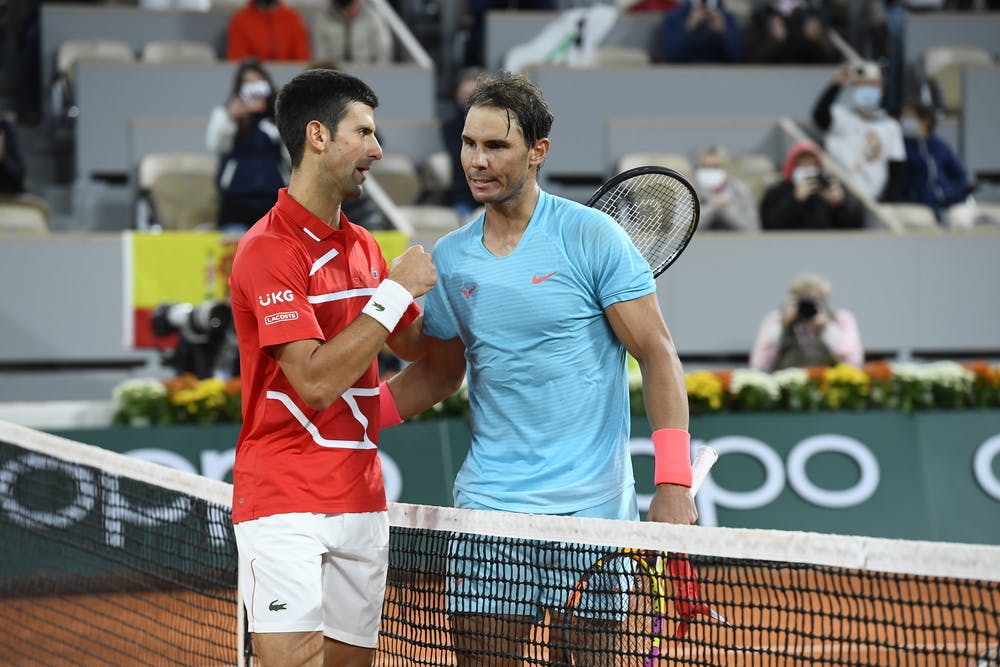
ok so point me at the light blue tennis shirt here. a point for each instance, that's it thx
(547, 380)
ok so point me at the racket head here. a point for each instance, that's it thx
(657, 207)
(641, 638)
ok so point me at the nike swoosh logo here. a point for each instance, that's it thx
(467, 292)
(542, 279)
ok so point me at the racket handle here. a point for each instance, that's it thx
(704, 459)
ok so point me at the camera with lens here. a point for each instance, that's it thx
(807, 308)
(206, 344)
(196, 323)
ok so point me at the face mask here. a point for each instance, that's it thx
(867, 97)
(710, 178)
(911, 128)
(255, 90)
(803, 173)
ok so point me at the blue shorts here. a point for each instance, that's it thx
(511, 577)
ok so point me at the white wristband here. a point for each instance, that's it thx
(388, 304)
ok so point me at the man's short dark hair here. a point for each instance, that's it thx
(317, 94)
(520, 98)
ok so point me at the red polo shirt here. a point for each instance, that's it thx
(295, 278)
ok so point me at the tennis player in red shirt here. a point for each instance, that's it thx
(313, 302)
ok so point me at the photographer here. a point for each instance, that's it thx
(808, 197)
(806, 331)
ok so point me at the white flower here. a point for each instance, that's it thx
(747, 378)
(950, 374)
(138, 388)
(909, 372)
(790, 377)
(942, 373)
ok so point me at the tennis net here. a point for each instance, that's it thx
(106, 559)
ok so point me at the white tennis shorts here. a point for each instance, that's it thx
(305, 572)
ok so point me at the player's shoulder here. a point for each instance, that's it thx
(459, 238)
(263, 243)
(571, 216)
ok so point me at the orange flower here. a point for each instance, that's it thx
(725, 377)
(878, 371)
(984, 371)
(816, 374)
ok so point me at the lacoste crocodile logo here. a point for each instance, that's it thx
(277, 606)
(378, 306)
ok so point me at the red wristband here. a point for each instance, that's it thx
(672, 453)
(388, 413)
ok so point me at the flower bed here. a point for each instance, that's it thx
(942, 385)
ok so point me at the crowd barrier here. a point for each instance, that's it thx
(913, 294)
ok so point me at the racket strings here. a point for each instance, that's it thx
(657, 211)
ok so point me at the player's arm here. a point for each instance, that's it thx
(321, 371)
(435, 376)
(639, 325)
(408, 343)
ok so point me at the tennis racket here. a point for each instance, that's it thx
(642, 635)
(658, 209)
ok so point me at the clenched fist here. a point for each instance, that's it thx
(414, 271)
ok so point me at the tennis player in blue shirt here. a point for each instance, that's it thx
(538, 300)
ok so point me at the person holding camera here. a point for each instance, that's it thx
(860, 135)
(808, 197)
(806, 331)
(253, 162)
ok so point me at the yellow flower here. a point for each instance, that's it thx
(845, 386)
(706, 386)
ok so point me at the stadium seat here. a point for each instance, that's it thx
(177, 51)
(943, 65)
(621, 56)
(177, 191)
(73, 51)
(971, 214)
(397, 174)
(676, 161)
(23, 215)
(912, 216)
(757, 170)
(435, 175)
(430, 222)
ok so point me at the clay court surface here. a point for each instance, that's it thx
(782, 618)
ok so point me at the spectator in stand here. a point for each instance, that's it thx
(700, 31)
(352, 31)
(653, 6)
(459, 196)
(788, 31)
(934, 174)
(860, 136)
(726, 201)
(808, 197)
(267, 30)
(807, 331)
(11, 160)
(253, 162)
